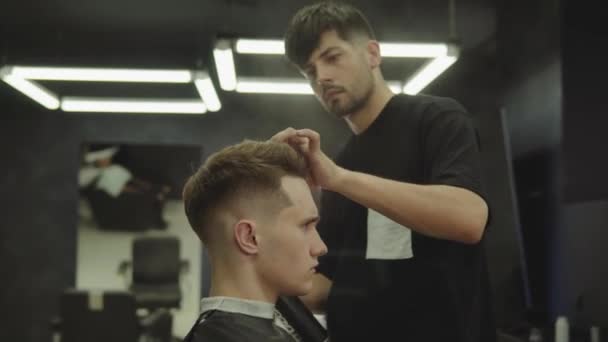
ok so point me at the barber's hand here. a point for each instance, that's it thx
(284, 135)
(289, 136)
(325, 173)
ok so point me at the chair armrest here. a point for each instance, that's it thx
(153, 318)
(156, 326)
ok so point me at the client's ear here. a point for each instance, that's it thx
(244, 236)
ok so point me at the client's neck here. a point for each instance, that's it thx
(242, 282)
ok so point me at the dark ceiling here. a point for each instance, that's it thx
(179, 34)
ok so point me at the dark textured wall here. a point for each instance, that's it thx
(585, 36)
(532, 107)
(38, 229)
(552, 59)
(584, 260)
(583, 236)
(530, 63)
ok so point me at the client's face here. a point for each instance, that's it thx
(291, 245)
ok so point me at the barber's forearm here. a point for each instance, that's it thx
(316, 299)
(315, 305)
(440, 211)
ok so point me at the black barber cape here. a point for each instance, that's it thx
(226, 319)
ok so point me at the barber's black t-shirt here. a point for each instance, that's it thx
(391, 283)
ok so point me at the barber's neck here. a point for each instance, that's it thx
(360, 120)
(239, 282)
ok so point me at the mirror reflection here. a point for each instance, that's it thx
(133, 236)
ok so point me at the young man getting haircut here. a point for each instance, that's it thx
(251, 206)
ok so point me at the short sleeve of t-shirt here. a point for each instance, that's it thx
(451, 153)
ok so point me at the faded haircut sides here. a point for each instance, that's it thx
(251, 168)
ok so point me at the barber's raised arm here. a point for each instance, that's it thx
(441, 211)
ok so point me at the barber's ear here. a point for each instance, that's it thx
(373, 53)
(245, 236)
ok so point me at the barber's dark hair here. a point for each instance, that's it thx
(307, 25)
(250, 170)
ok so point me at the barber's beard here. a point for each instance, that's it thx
(351, 101)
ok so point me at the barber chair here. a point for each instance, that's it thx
(127, 212)
(301, 319)
(155, 272)
(107, 316)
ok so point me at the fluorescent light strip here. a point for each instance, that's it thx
(288, 86)
(84, 104)
(427, 74)
(260, 46)
(403, 50)
(102, 74)
(395, 86)
(413, 50)
(224, 64)
(205, 89)
(444, 56)
(33, 91)
(273, 86)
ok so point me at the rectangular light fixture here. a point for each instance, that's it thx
(413, 50)
(260, 46)
(32, 90)
(288, 86)
(395, 86)
(101, 74)
(273, 86)
(443, 56)
(206, 90)
(23, 79)
(224, 65)
(427, 74)
(112, 105)
(401, 50)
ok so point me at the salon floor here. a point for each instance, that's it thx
(101, 252)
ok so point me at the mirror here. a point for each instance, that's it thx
(132, 231)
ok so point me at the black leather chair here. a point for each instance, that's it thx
(127, 212)
(156, 269)
(107, 316)
(301, 319)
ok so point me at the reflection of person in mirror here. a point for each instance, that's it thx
(100, 173)
(403, 210)
(251, 206)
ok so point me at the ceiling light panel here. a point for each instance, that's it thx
(442, 57)
(23, 78)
